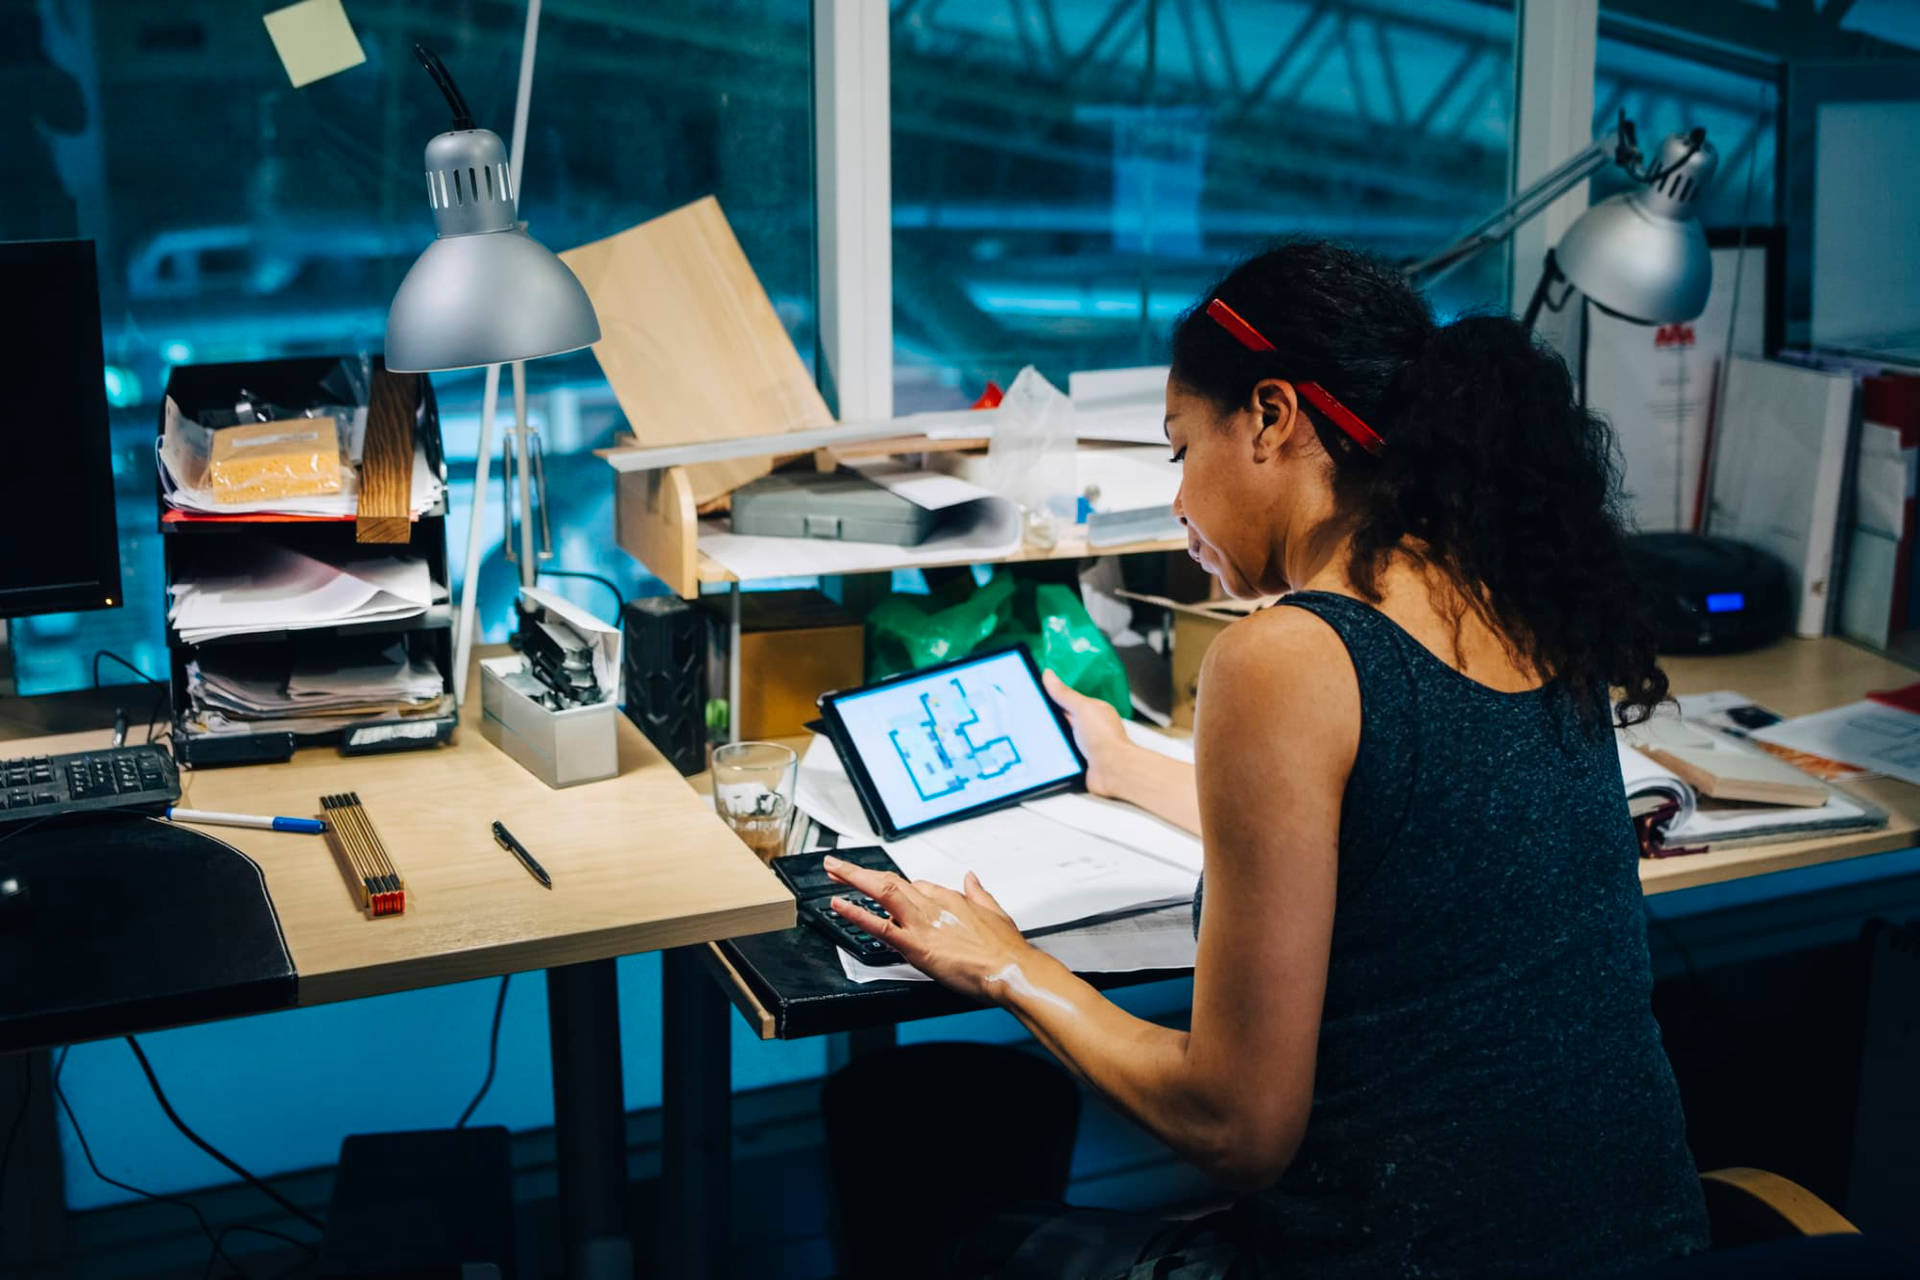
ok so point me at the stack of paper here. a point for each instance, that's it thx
(185, 449)
(270, 589)
(246, 689)
(1103, 885)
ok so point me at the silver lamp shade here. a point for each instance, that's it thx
(484, 292)
(1642, 254)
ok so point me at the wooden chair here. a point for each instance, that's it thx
(1766, 1227)
(1752, 1206)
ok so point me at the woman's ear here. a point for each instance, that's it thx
(1276, 412)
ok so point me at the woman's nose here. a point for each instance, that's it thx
(1180, 504)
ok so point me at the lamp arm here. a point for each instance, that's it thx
(1499, 224)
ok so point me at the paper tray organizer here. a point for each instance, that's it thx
(188, 544)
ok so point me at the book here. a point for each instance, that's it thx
(1692, 787)
(1740, 775)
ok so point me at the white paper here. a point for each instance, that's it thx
(1123, 824)
(928, 490)
(1173, 746)
(277, 589)
(1161, 939)
(1128, 405)
(1041, 868)
(1869, 734)
(1104, 388)
(1043, 872)
(1128, 479)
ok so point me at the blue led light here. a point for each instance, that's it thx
(1726, 602)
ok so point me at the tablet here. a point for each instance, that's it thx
(951, 741)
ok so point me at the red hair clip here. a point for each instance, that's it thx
(1318, 396)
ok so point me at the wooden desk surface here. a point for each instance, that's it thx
(639, 862)
(1794, 678)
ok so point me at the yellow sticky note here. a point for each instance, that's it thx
(314, 40)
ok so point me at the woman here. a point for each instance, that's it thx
(1421, 1042)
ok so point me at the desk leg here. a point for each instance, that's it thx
(845, 1046)
(589, 1119)
(696, 1149)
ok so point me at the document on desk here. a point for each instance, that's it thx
(1159, 939)
(1870, 735)
(1048, 864)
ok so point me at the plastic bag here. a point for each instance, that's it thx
(905, 633)
(1031, 458)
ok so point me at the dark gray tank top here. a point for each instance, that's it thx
(1491, 1097)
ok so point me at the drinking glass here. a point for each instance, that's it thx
(753, 786)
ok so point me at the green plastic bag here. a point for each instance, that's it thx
(905, 633)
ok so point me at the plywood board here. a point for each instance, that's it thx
(691, 343)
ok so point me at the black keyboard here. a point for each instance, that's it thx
(138, 778)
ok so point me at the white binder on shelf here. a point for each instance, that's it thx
(1780, 481)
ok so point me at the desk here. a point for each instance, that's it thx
(1794, 678)
(639, 863)
(789, 985)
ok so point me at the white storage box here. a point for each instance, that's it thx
(561, 748)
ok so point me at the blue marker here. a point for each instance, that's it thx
(304, 826)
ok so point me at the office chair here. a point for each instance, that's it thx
(1766, 1227)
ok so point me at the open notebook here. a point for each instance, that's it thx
(1675, 818)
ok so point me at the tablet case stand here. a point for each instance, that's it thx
(129, 924)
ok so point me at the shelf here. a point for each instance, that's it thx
(174, 521)
(1072, 547)
(656, 523)
(437, 618)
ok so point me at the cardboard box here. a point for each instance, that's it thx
(1195, 624)
(794, 646)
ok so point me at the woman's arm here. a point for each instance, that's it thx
(1279, 725)
(1119, 768)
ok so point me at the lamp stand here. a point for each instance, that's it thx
(490, 402)
(470, 589)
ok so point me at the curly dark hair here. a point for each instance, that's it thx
(1504, 481)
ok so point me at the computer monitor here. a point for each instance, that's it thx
(59, 545)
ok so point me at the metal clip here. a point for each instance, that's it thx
(536, 489)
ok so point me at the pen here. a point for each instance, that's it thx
(504, 838)
(305, 826)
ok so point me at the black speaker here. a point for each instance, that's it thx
(666, 677)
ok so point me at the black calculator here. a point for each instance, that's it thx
(815, 890)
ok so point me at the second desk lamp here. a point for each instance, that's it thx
(484, 293)
(1641, 255)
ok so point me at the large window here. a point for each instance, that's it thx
(1069, 174)
(238, 218)
(1664, 93)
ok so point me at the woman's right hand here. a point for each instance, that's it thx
(1098, 733)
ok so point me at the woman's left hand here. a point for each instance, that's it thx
(961, 940)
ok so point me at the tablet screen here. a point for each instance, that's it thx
(957, 738)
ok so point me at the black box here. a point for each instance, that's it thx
(665, 674)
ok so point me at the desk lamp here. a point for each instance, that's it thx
(483, 293)
(1640, 255)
